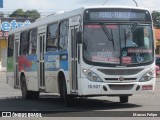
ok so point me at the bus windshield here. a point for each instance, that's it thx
(118, 44)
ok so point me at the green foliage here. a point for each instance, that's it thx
(32, 14)
(17, 13)
(27, 14)
(156, 19)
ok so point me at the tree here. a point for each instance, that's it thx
(32, 14)
(27, 14)
(156, 19)
(17, 13)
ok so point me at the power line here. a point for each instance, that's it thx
(135, 3)
(105, 2)
(132, 0)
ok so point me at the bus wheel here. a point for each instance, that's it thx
(25, 93)
(68, 99)
(24, 88)
(123, 99)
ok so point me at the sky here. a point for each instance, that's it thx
(73, 4)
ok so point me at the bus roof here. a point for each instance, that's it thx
(127, 7)
(63, 15)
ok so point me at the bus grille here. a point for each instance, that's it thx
(116, 79)
(121, 87)
(120, 71)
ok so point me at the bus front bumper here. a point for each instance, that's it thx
(121, 88)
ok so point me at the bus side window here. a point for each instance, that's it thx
(10, 46)
(24, 43)
(32, 41)
(63, 38)
(52, 34)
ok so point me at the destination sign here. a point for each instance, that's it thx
(116, 15)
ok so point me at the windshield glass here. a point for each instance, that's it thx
(120, 44)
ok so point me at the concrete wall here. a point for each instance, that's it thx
(3, 57)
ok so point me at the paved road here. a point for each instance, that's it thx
(10, 100)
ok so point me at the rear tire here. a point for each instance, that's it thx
(25, 93)
(123, 99)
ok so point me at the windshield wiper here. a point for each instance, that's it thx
(109, 35)
(131, 30)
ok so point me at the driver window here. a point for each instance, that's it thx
(146, 38)
(141, 37)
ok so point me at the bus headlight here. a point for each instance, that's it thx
(148, 76)
(92, 76)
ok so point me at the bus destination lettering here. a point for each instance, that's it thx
(51, 62)
(117, 15)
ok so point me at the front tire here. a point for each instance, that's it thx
(68, 99)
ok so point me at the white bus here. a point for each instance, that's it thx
(91, 51)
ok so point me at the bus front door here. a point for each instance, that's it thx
(74, 59)
(41, 67)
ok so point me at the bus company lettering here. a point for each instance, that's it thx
(52, 58)
(50, 65)
(7, 26)
(133, 50)
(107, 54)
(51, 62)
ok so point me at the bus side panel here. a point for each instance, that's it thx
(32, 81)
(28, 64)
(64, 63)
(10, 72)
(55, 62)
(51, 60)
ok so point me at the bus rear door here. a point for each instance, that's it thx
(16, 55)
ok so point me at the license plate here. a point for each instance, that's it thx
(158, 72)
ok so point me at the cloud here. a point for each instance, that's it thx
(150, 4)
(49, 4)
(28, 4)
(72, 4)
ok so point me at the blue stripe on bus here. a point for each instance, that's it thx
(53, 62)
(64, 65)
(56, 60)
